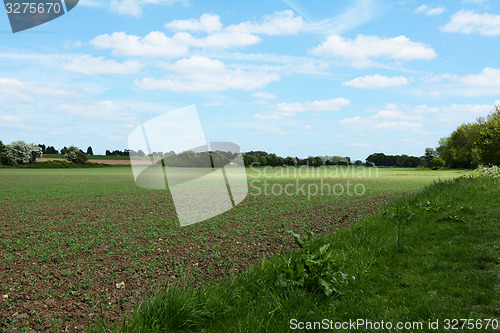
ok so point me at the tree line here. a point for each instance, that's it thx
(473, 144)
(470, 145)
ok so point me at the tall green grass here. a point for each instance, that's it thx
(432, 256)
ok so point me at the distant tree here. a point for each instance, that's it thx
(438, 163)
(64, 150)
(2, 149)
(430, 154)
(378, 159)
(319, 161)
(44, 150)
(290, 161)
(89, 151)
(358, 163)
(140, 153)
(51, 150)
(75, 155)
(20, 152)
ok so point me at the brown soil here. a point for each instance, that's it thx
(112, 162)
(37, 293)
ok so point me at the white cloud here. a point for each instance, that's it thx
(280, 23)
(366, 47)
(363, 123)
(264, 95)
(70, 44)
(309, 127)
(270, 129)
(8, 121)
(468, 21)
(282, 110)
(91, 3)
(429, 11)
(414, 120)
(206, 23)
(134, 7)
(157, 44)
(421, 9)
(333, 104)
(16, 90)
(89, 65)
(213, 104)
(435, 11)
(103, 110)
(456, 114)
(483, 84)
(221, 40)
(392, 117)
(488, 78)
(376, 81)
(126, 7)
(359, 13)
(204, 74)
(356, 144)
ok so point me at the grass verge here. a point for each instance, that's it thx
(430, 257)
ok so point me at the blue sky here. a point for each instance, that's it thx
(292, 77)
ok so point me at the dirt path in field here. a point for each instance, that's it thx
(111, 162)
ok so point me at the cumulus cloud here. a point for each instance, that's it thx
(264, 95)
(89, 65)
(468, 21)
(204, 74)
(157, 44)
(102, 110)
(429, 11)
(366, 47)
(206, 23)
(17, 90)
(279, 23)
(282, 110)
(377, 81)
(413, 120)
(482, 84)
(134, 7)
(435, 11)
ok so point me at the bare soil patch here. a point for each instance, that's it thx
(61, 260)
(111, 162)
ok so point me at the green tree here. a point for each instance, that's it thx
(75, 155)
(489, 138)
(430, 154)
(461, 149)
(438, 163)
